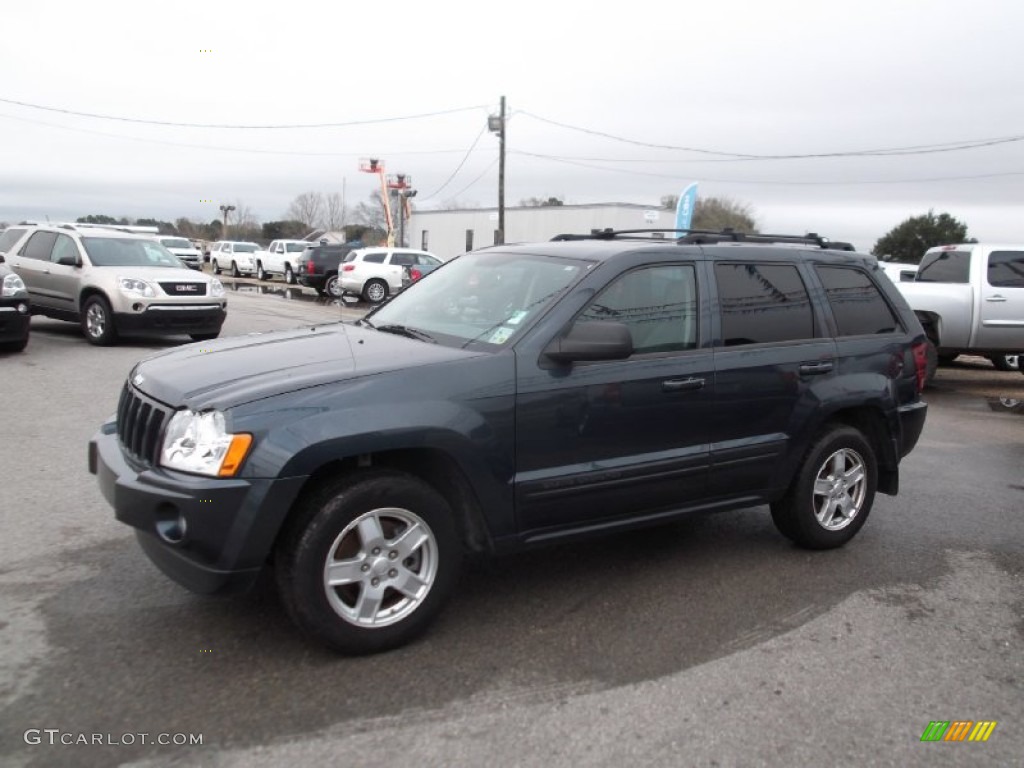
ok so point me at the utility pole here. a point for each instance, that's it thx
(226, 209)
(497, 125)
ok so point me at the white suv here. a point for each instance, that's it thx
(182, 248)
(376, 273)
(237, 256)
(115, 283)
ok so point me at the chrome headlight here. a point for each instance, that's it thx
(199, 443)
(136, 287)
(12, 286)
(216, 288)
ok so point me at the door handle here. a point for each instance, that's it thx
(814, 369)
(995, 299)
(681, 385)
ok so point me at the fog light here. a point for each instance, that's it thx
(23, 308)
(137, 307)
(172, 531)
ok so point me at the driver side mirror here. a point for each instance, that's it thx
(69, 261)
(595, 340)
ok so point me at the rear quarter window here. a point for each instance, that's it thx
(858, 306)
(763, 303)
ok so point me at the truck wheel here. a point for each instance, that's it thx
(98, 321)
(260, 273)
(375, 291)
(1006, 362)
(216, 267)
(931, 361)
(234, 270)
(832, 493)
(289, 276)
(369, 561)
(332, 287)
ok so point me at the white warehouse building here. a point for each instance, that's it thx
(449, 233)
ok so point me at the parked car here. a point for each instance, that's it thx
(238, 257)
(319, 268)
(115, 283)
(970, 300)
(521, 395)
(376, 273)
(410, 274)
(183, 249)
(283, 259)
(15, 310)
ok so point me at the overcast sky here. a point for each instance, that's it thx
(606, 104)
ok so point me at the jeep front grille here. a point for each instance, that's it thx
(139, 425)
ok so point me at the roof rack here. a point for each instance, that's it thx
(710, 237)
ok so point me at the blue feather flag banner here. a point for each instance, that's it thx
(685, 206)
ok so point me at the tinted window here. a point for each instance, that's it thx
(295, 247)
(402, 259)
(857, 304)
(659, 304)
(39, 246)
(375, 258)
(945, 267)
(1005, 269)
(64, 247)
(245, 248)
(9, 238)
(763, 303)
(175, 242)
(350, 256)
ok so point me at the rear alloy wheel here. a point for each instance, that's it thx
(234, 270)
(332, 287)
(832, 492)
(98, 322)
(216, 267)
(260, 273)
(375, 291)
(289, 276)
(1006, 362)
(369, 561)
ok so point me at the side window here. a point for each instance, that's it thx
(427, 260)
(1006, 269)
(857, 303)
(945, 267)
(375, 258)
(64, 247)
(39, 246)
(659, 304)
(762, 303)
(403, 259)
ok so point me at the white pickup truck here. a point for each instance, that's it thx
(970, 300)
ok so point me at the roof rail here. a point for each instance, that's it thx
(711, 237)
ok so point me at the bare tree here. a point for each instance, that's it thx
(370, 214)
(720, 212)
(307, 208)
(243, 223)
(334, 212)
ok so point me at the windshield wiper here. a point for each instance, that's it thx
(404, 330)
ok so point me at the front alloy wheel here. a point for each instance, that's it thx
(368, 561)
(98, 322)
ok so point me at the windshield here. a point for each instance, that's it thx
(127, 252)
(245, 248)
(295, 247)
(176, 242)
(483, 297)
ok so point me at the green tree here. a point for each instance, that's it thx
(907, 242)
(669, 202)
(542, 202)
(717, 213)
(98, 219)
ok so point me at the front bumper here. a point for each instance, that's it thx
(912, 418)
(207, 534)
(14, 323)
(173, 318)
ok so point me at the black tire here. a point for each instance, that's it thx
(234, 270)
(289, 276)
(14, 346)
(1005, 362)
(332, 287)
(98, 321)
(931, 361)
(375, 291)
(216, 267)
(325, 525)
(260, 273)
(833, 519)
(204, 336)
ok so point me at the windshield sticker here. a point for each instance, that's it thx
(517, 317)
(501, 335)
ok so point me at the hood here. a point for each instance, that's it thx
(228, 372)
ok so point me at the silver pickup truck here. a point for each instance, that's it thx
(970, 300)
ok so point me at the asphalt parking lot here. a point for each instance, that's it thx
(709, 642)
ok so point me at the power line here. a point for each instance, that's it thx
(920, 149)
(345, 124)
(675, 176)
(461, 163)
(469, 186)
